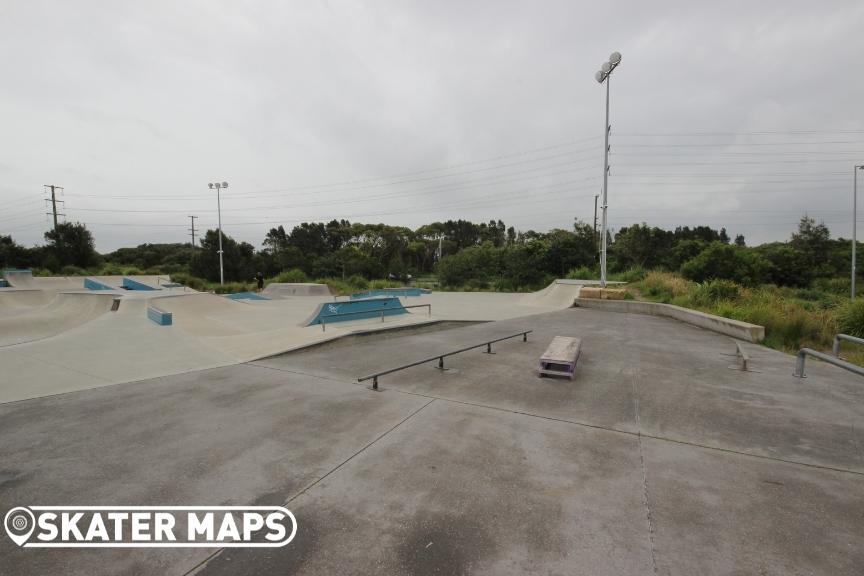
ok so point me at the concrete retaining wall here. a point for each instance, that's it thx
(733, 328)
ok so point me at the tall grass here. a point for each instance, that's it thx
(793, 318)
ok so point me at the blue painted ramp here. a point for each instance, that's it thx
(130, 284)
(91, 284)
(356, 310)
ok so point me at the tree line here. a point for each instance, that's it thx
(461, 253)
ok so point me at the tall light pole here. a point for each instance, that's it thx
(854, 221)
(603, 76)
(218, 186)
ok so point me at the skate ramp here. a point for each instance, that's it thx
(283, 290)
(12, 298)
(355, 310)
(14, 301)
(209, 315)
(25, 279)
(384, 292)
(63, 312)
(557, 295)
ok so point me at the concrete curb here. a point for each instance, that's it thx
(733, 328)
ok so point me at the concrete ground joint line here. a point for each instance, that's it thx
(210, 557)
(639, 435)
(646, 500)
(750, 455)
(363, 449)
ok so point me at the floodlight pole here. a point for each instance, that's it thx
(219, 186)
(604, 75)
(605, 204)
(854, 221)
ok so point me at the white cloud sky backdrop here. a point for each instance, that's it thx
(737, 114)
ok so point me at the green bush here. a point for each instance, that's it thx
(839, 286)
(716, 290)
(72, 271)
(189, 281)
(379, 284)
(850, 318)
(358, 282)
(293, 276)
(583, 273)
(663, 286)
(478, 263)
(633, 274)
(338, 287)
(233, 287)
(728, 262)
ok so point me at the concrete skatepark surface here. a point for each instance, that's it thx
(657, 459)
(65, 340)
(284, 290)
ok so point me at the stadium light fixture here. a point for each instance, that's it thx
(603, 75)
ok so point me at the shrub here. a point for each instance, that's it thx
(379, 284)
(850, 318)
(337, 287)
(664, 286)
(480, 263)
(582, 273)
(633, 274)
(72, 271)
(839, 286)
(233, 288)
(476, 285)
(190, 281)
(716, 290)
(727, 262)
(293, 276)
(358, 282)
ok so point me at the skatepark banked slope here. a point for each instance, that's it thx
(74, 342)
(64, 312)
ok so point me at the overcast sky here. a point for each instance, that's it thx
(735, 114)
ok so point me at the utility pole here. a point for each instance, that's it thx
(854, 221)
(192, 229)
(54, 202)
(596, 237)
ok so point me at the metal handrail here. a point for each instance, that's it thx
(440, 357)
(382, 310)
(804, 352)
(848, 338)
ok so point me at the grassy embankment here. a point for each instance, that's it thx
(793, 317)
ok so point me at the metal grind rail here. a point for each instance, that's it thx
(440, 357)
(381, 310)
(827, 358)
(847, 338)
